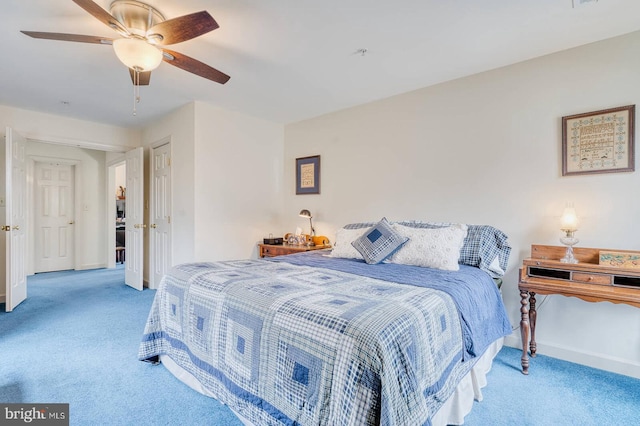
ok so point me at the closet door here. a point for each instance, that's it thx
(15, 220)
(160, 228)
(54, 217)
(135, 219)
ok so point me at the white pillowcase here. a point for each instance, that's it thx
(432, 248)
(344, 238)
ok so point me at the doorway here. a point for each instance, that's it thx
(116, 212)
(121, 212)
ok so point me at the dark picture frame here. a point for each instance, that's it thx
(308, 175)
(599, 141)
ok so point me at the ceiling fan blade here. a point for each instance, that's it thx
(69, 37)
(143, 77)
(181, 29)
(194, 66)
(102, 15)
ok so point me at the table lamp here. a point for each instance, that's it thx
(307, 213)
(569, 225)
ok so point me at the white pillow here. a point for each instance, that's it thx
(342, 246)
(432, 248)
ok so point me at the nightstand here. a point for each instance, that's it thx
(543, 273)
(270, 250)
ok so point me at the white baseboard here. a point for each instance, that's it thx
(3, 298)
(590, 359)
(91, 266)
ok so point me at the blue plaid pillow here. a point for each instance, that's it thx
(379, 242)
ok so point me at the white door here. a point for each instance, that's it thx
(160, 228)
(54, 217)
(134, 229)
(16, 201)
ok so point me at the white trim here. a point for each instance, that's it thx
(590, 359)
(160, 142)
(77, 143)
(91, 266)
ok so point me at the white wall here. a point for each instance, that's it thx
(226, 181)
(60, 129)
(238, 182)
(486, 150)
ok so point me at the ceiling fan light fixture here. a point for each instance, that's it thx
(137, 54)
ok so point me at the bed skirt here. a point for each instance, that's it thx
(452, 412)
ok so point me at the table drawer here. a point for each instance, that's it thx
(585, 277)
(275, 251)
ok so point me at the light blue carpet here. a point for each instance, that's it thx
(75, 340)
(555, 392)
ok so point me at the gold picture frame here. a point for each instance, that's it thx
(599, 141)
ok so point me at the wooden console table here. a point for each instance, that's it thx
(543, 273)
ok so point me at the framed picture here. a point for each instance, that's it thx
(308, 175)
(598, 142)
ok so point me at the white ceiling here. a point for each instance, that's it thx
(289, 59)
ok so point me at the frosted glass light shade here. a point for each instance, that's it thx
(136, 53)
(569, 220)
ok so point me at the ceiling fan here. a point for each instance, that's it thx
(144, 33)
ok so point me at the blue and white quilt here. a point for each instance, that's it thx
(299, 345)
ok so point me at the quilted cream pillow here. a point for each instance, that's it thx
(432, 248)
(342, 246)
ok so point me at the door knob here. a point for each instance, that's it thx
(16, 228)
(153, 225)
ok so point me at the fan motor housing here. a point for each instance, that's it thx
(137, 16)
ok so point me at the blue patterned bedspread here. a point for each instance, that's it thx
(290, 344)
(482, 313)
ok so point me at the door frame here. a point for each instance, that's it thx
(77, 208)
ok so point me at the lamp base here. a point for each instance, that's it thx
(568, 256)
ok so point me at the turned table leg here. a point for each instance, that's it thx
(524, 329)
(532, 323)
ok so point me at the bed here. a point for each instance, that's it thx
(323, 338)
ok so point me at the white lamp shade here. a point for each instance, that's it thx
(136, 53)
(569, 220)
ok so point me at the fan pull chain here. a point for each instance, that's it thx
(136, 88)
